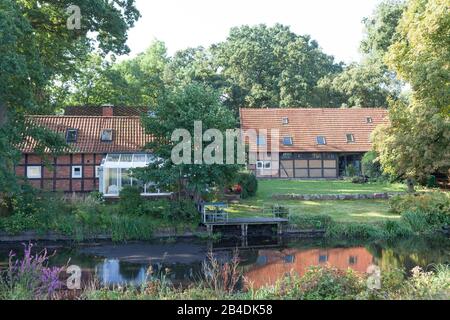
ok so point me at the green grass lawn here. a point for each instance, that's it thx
(340, 210)
(266, 188)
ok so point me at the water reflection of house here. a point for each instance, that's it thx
(273, 264)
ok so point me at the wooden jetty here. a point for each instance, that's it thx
(245, 222)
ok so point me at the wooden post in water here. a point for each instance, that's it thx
(209, 229)
(244, 229)
(279, 228)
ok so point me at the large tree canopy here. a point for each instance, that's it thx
(180, 108)
(416, 143)
(380, 28)
(369, 83)
(421, 54)
(271, 66)
(134, 82)
(37, 48)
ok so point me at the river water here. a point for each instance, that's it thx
(262, 260)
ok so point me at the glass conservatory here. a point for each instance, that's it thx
(115, 173)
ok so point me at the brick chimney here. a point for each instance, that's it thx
(107, 110)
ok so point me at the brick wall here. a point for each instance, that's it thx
(56, 172)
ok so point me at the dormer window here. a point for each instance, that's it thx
(321, 140)
(285, 120)
(350, 137)
(71, 135)
(369, 120)
(287, 141)
(106, 135)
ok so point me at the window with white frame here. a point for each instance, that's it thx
(97, 174)
(34, 172)
(264, 165)
(77, 172)
(285, 120)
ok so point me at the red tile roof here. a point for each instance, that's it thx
(128, 133)
(306, 124)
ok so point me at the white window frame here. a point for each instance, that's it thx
(97, 172)
(285, 120)
(263, 165)
(34, 176)
(73, 172)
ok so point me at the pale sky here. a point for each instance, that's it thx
(335, 24)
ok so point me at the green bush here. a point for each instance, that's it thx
(248, 182)
(350, 171)
(370, 165)
(183, 210)
(397, 229)
(359, 179)
(155, 208)
(436, 202)
(311, 221)
(130, 200)
(425, 212)
(328, 283)
(355, 231)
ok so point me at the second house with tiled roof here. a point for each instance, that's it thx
(311, 143)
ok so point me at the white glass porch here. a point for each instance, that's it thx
(115, 173)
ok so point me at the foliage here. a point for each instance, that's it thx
(366, 85)
(130, 200)
(327, 283)
(420, 53)
(350, 171)
(352, 230)
(221, 276)
(415, 144)
(432, 285)
(380, 28)
(89, 217)
(359, 179)
(38, 50)
(271, 66)
(436, 201)
(179, 110)
(370, 165)
(29, 277)
(134, 82)
(318, 222)
(248, 182)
